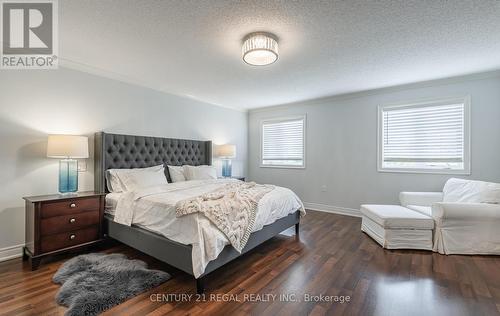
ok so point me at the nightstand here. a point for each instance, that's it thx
(235, 177)
(58, 223)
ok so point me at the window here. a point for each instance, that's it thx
(283, 142)
(430, 137)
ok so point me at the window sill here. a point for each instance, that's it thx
(425, 171)
(283, 167)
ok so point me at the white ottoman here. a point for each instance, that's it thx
(397, 227)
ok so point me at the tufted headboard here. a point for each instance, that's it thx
(114, 151)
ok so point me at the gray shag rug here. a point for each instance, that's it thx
(93, 283)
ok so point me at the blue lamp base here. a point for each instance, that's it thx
(68, 176)
(226, 168)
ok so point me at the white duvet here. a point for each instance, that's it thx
(153, 208)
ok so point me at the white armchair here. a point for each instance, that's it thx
(466, 216)
(466, 228)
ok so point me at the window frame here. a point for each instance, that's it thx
(465, 100)
(283, 119)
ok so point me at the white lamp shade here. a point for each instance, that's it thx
(225, 151)
(67, 146)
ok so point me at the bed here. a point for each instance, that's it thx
(115, 151)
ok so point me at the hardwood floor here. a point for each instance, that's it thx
(333, 258)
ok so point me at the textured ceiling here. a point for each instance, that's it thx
(193, 48)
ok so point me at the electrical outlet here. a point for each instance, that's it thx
(82, 165)
(324, 188)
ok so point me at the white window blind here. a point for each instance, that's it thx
(429, 136)
(283, 142)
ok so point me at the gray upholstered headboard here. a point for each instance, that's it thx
(114, 151)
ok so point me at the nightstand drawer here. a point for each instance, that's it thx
(68, 239)
(59, 224)
(70, 206)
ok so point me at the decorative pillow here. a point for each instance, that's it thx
(115, 184)
(469, 191)
(200, 172)
(176, 173)
(135, 180)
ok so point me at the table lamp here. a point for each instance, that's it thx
(67, 148)
(226, 153)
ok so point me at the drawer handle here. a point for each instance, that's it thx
(72, 205)
(72, 220)
(72, 236)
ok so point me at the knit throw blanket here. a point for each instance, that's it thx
(231, 208)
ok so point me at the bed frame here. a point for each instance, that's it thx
(114, 151)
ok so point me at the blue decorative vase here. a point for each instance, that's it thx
(226, 168)
(68, 176)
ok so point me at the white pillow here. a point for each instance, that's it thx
(176, 173)
(200, 172)
(115, 184)
(136, 180)
(469, 191)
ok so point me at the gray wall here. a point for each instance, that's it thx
(341, 145)
(341, 137)
(36, 103)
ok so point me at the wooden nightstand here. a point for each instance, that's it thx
(58, 223)
(235, 177)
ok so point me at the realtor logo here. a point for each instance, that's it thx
(29, 34)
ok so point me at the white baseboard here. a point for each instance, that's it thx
(332, 209)
(11, 252)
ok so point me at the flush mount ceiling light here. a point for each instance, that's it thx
(260, 49)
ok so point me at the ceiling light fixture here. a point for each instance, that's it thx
(260, 49)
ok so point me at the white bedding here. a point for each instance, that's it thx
(153, 208)
(111, 202)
